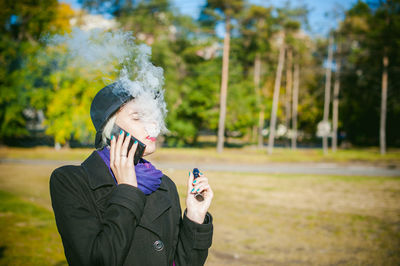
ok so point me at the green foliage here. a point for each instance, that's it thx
(257, 29)
(227, 7)
(366, 35)
(35, 76)
(215, 11)
(241, 101)
(192, 104)
(22, 24)
(69, 99)
(68, 108)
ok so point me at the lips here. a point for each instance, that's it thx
(151, 138)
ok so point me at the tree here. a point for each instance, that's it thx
(382, 129)
(223, 10)
(23, 23)
(276, 96)
(385, 60)
(327, 95)
(295, 101)
(224, 87)
(370, 33)
(289, 85)
(289, 20)
(256, 32)
(336, 89)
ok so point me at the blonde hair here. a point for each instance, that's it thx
(106, 134)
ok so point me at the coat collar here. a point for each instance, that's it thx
(99, 175)
(156, 203)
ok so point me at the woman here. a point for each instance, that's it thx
(111, 212)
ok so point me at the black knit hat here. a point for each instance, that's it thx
(104, 105)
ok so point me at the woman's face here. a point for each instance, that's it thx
(131, 120)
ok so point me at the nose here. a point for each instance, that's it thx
(152, 129)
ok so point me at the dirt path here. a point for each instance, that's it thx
(289, 168)
(270, 168)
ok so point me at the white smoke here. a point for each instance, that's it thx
(116, 54)
(96, 49)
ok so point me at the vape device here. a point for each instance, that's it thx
(140, 148)
(196, 174)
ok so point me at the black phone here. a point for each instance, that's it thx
(140, 148)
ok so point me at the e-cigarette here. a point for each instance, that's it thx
(196, 174)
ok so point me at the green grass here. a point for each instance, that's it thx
(28, 233)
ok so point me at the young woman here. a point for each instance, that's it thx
(111, 212)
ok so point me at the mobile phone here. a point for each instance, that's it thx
(140, 148)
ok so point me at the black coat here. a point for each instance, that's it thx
(102, 223)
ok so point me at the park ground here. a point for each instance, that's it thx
(259, 218)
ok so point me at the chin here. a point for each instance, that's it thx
(150, 148)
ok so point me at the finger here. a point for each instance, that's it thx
(201, 188)
(190, 182)
(208, 193)
(125, 144)
(118, 147)
(132, 151)
(200, 180)
(198, 187)
(112, 151)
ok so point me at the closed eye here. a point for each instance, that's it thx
(135, 116)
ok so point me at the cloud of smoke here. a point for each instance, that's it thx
(116, 54)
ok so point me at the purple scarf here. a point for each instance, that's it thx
(148, 177)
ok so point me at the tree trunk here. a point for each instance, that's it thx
(224, 87)
(336, 88)
(66, 145)
(260, 141)
(296, 85)
(327, 91)
(254, 134)
(257, 74)
(275, 102)
(289, 85)
(382, 131)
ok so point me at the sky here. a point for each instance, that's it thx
(320, 17)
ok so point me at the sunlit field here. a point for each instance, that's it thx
(259, 219)
(232, 155)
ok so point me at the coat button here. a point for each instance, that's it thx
(158, 245)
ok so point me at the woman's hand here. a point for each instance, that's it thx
(197, 210)
(121, 162)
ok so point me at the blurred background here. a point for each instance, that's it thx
(292, 108)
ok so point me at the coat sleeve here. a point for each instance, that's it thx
(86, 239)
(194, 241)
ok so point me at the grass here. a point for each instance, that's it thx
(230, 155)
(310, 220)
(259, 219)
(27, 234)
(45, 153)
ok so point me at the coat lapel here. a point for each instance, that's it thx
(98, 172)
(156, 203)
